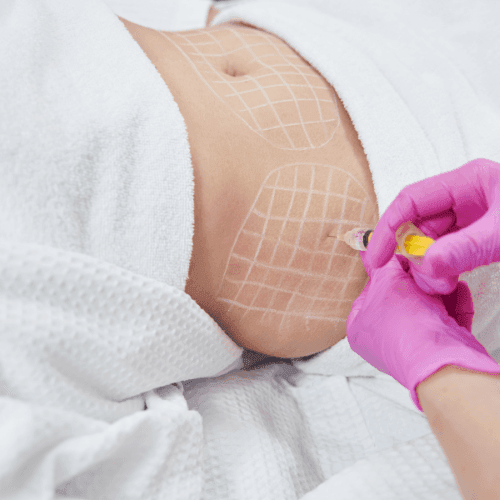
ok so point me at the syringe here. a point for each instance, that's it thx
(412, 243)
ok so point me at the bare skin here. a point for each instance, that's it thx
(463, 408)
(306, 142)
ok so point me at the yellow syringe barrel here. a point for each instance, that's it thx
(412, 243)
(417, 245)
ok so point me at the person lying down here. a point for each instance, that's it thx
(155, 185)
(278, 167)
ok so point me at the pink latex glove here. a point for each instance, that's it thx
(460, 209)
(408, 334)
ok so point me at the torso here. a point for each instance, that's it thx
(224, 80)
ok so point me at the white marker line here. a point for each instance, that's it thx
(315, 191)
(204, 79)
(272, 107)
(285, 83)
(353, 263)
(290, 204)
(325, 208)
(191, 44)
(295, 85)
(249, 91)
(260, 243)
(322, 302)
(279, 59)
(290, 313)
(317, 100)
(363, 208)
(305, 295)
(301, 228)
(303, 123)
(285, 243)
(296, 219)
(285, 101)
(267, 239)
(232, 87)
(302, 273)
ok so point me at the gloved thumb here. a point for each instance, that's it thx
(358, 303)
(366, 263)
(395, 265)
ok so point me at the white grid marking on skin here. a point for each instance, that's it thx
(325, 206)
(324, 304)
(306, 208)
(278, 74)
(346, 190)
(280, 135)
(210, 66)
(273, 298)
(261, 240)
(281, 125)
(305, 274)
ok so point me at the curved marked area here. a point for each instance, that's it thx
(283, 270)
(265, 83)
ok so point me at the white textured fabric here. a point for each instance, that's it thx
(85, 348)
(96, 224)
(166, 15)
(94, 348)
(391, 475)
(94, 155)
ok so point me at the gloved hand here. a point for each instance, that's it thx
(408, 334)
(460, 209)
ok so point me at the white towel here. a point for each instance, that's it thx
(94, 152)
(96, 224)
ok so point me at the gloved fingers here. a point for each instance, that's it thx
(475, 245)
(403, 262)
(449, 191)
(395, 265)
(357, 305)
(418, 201)
(433, 286)
(382, 245)
(438, 225)
(366, 263)
(460, 306)
(434, 228)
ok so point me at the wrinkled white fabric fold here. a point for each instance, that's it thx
(88, 353)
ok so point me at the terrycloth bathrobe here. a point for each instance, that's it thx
(114, 383)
